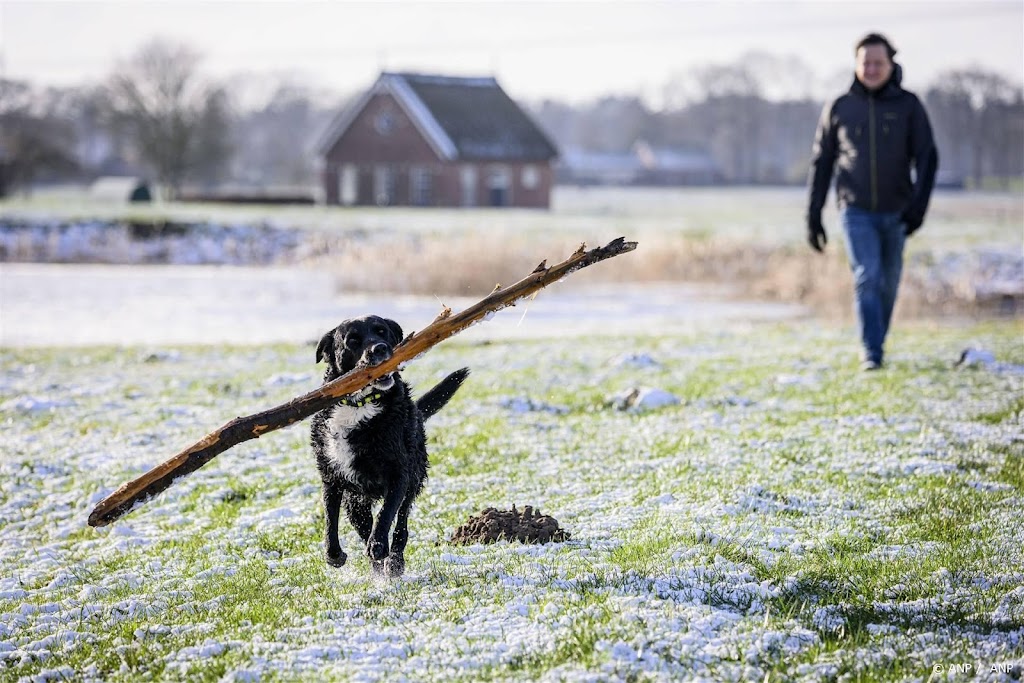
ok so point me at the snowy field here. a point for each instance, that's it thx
(785, 518)
(767, 513)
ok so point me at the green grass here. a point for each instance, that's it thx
(791, 517)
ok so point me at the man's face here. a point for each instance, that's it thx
(873, 66)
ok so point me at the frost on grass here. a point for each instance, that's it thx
(786, 517)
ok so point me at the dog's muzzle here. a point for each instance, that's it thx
(375, 355)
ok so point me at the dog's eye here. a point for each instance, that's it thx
(381, 332)
(353, 341)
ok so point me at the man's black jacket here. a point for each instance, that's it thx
(872, 139)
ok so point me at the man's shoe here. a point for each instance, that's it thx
(870, 365)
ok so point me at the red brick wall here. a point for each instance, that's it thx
(362, 143)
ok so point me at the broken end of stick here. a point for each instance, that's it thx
(541, 267)
(97, 520)
(620, 246)
(106, 512)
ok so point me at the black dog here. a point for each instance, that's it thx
(371, 446)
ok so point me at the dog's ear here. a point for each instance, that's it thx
(396, 330)
(323, 349)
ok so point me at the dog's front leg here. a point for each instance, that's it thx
(394, 566)
(377, 549)
(332, 547)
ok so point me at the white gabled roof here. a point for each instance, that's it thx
(460, 118)
(420, 116)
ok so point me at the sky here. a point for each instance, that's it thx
(573, 51)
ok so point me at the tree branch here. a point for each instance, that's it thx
(242, 429)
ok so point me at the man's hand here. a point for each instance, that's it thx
(816, 236)
(911, 222)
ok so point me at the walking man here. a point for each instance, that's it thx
(878, 141)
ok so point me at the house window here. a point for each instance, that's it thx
(384, 185)
(348, 184)
(499, 186)
(467, 175)
(530, 177)
(421, 183)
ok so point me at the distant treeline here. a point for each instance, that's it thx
(724, 111)
(157, 116)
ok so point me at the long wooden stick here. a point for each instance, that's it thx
(137, 491)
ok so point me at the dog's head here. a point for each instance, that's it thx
(369, 340)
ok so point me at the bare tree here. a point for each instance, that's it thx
(978, 119)
(1007, 117)
(36, 136)
(756, 117)
(613, 124)
(733, 108)
(177, 121)
(281, 133)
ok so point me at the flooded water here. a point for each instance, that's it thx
(76, 305)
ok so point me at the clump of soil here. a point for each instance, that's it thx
(492, 525)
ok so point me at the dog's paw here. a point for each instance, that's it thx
(394, 565)
(377, 569)
(377, 550)
(336, 559)
(391, 567)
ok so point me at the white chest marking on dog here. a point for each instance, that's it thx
(341, 423)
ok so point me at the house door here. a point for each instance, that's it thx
(499, 182)
(421, 186)
(384, 185)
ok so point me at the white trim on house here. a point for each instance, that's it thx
(342, 122)
(421, 117)
(468, 185)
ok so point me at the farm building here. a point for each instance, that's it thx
(420, 140)
(121, 189)
(642, 165)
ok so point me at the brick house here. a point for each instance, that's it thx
(419, 140)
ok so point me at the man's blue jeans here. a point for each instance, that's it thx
(874, 245)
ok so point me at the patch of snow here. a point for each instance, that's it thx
(642, 398)
(289, 378)
(635, 361)
(972, 357)
(522, 405)
(796, 381)
(34, 404)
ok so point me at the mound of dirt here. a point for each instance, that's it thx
(528, 526)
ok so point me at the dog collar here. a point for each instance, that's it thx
(372, 398)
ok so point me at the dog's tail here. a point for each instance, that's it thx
(432, 401)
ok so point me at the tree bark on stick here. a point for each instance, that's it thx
(137, 491)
